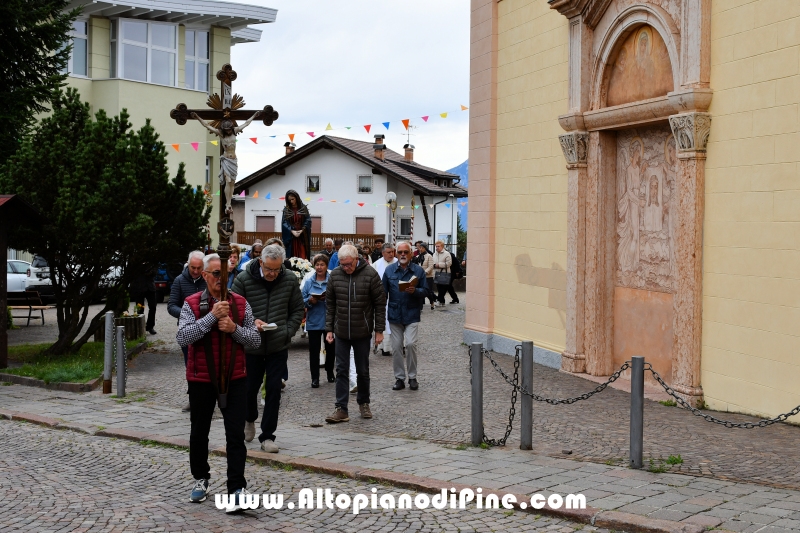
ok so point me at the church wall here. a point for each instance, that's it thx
(531, 178)
(751, 286)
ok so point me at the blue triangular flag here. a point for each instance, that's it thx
(272, 136)
(447, 206)
(269, 196)
(386, 124)
(347, 201)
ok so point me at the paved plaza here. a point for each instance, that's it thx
(741, 480)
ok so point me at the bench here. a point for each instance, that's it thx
(29, 300)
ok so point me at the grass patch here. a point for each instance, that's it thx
(71, 368)
(484, 446)
(461, 447)
(148, 442)
(659, 468)
(674, 460)
(668, 403)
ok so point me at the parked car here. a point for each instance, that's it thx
(38, 278)
(16, 275)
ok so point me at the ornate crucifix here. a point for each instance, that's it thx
(221, 121)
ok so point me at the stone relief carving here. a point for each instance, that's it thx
(641, 69)
(691, 131)
(646, 209)
(575, 146)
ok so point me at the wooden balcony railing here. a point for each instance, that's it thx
(317, 239)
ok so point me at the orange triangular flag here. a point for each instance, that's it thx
(291, 137)
(255, 195)
(177, 147)
(254, 139)
(464, 108)
(405, 122)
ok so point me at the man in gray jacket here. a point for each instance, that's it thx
(273, 293)
(356, 306)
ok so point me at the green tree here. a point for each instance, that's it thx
(107, 200)
(33, 63)
(461, 238)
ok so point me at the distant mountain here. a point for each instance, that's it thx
(463, 171)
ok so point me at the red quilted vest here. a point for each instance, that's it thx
(197, 368)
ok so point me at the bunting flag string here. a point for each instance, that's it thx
(329, 127)
(268, 196)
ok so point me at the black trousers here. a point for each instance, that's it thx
(431, 294)
(274, 366)
(361, 356)
(204, 401)
(447, 289)
(150, 296)
(315, 340)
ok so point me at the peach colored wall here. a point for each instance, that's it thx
(531, 183)
(751, 288)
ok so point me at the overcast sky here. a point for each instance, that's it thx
(358, 62)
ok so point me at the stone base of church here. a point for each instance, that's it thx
(500, 344)
(573, 363)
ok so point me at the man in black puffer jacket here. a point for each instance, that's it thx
(273, 293)
(356, 306)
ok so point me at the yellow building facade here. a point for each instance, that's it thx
(614, 215)
(147, 57)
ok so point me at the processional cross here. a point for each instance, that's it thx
(221, 121)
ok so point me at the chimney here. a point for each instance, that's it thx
(409, 152)
(379, 146)
(289, 148)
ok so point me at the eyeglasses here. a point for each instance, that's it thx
(348, 265)
(271, 270)
(216, 273)
(402, 252)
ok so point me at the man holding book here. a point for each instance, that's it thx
(405, 286)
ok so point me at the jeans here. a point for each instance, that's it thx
(404, 334)
(273, 365)
(150, 296)
(315, 339)
(204, 401)
(361, 355)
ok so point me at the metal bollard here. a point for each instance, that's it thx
(121, 371)
(108, 365)
(526, 402)
(637, 410)
(477, 393)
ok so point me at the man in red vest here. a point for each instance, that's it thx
(203, 319)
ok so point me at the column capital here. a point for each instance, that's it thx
(575, 147)
(691, 131)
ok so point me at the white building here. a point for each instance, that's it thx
(334, 168)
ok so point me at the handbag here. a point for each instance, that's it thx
(441, 278)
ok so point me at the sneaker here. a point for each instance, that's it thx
(249, 431)
(269, 446)
(399, 385)
(354, 390)
(152, 331)
(187, 408)
(412, 384)
(365, 412)
(200, 491)
(339, 415)
(237, 502)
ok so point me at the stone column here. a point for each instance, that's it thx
(691, 132)
(575, 148)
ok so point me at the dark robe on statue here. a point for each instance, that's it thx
(296, 219)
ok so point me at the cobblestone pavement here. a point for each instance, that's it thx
(595, 430)
(54, 480)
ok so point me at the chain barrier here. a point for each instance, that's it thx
(512, 411)
(697, 412)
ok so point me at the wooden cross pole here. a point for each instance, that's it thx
(221, 119)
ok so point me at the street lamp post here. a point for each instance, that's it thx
(391, 199)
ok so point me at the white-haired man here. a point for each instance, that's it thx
(355, 307)
(187, 283)
(207, 323)
(329, 249)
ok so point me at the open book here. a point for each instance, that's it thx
(403, 285)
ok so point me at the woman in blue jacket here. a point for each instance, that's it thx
(314, 297)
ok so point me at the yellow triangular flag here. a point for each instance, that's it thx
(402, 206)
(329, 127)
(443, 115)
(215, 143)
(464, 108)
(255, 195)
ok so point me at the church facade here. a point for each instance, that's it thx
(634, 191)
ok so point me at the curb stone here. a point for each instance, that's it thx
(613, 520)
